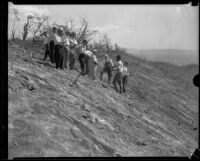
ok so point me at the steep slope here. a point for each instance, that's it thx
(49, 117)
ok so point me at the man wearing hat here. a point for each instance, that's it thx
(107, 67)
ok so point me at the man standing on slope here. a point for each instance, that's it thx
(58, 46)
(118, 76)
(107, 67)
(93, 64)
(52, 44)
(65, 49)
(46, 45)
(73, 43)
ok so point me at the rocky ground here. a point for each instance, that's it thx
(158, 116)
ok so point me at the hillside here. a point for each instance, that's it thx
(47, 117)
(173, 56)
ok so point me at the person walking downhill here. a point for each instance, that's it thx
(46, 45)
(125, 75)
(118, 76)
(65, 49)
(58, 46)
(52, 44)
(93, 64)
(73, 43)
(107, 67)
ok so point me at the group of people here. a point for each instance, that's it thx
(121, 72)
(64, 50)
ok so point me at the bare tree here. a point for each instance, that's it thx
(27, 26)
(41, 23)
(103, 44)
(84, 31)
(15, 19)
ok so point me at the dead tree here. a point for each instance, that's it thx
(27, 26)
(40, 24)
(15, 19)
(84, 31)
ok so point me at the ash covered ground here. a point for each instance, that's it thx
(158, 116)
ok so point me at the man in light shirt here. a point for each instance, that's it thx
(118, 76)
(93, 64)
(88, 55)
(51, 44)
(65, 49)
(73, 43)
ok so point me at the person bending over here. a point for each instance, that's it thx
(81, 55)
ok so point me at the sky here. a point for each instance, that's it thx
(130, 26)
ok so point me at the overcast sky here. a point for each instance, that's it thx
(130, 26)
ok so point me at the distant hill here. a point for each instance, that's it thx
(173, 56)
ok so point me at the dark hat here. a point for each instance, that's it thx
(118, 57)
(85, 41)
(73, 34)
(126, 63)
(67, 32)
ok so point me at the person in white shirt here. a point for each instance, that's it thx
(107, 65)
(58, 56)
(73, 43)
(93, 64)
(52, 45)
(88, 55)
(118, 76)
(65, 49)
(125, 75)
(46, 45)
